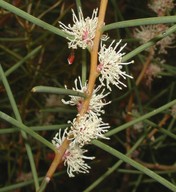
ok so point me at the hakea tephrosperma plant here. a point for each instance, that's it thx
(89, 125)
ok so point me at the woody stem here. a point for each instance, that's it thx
(94, 56)
(91, 82)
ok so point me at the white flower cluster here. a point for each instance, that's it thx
(161, 7)
(88, 127)
(110, 66)
(85, 128)
(83, 30)
(73, 156)
(146, 33)
(96, 103)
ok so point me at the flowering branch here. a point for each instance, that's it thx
(94, 56)
(92, 78)
(88, 125)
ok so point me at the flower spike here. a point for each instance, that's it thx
(110, 67)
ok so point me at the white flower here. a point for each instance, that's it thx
(83, 30)
(86, 128)
(76, 100)
(97, 101)
(146, 33)
(166, 42)
(161, 7)
(73, 157)
(59, 138)
(110, 66)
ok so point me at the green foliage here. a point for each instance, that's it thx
(33, 56)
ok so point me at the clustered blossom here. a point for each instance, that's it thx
(146, 33)
(83, 128)
(166, 42)
(110, 66)
(88, 126)
(161, 7)
(83, 30)
(76, 100)
(73, 157)
(97, 101)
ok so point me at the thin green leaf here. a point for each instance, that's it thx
(135, 164)
(55, 90)
(146, 116)
(139, 22)
(18, 64)
(18, 117)
(26, 129)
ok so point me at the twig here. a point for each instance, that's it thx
(157, 166)
(92, 78)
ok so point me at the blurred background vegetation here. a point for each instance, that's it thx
(48, 66)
